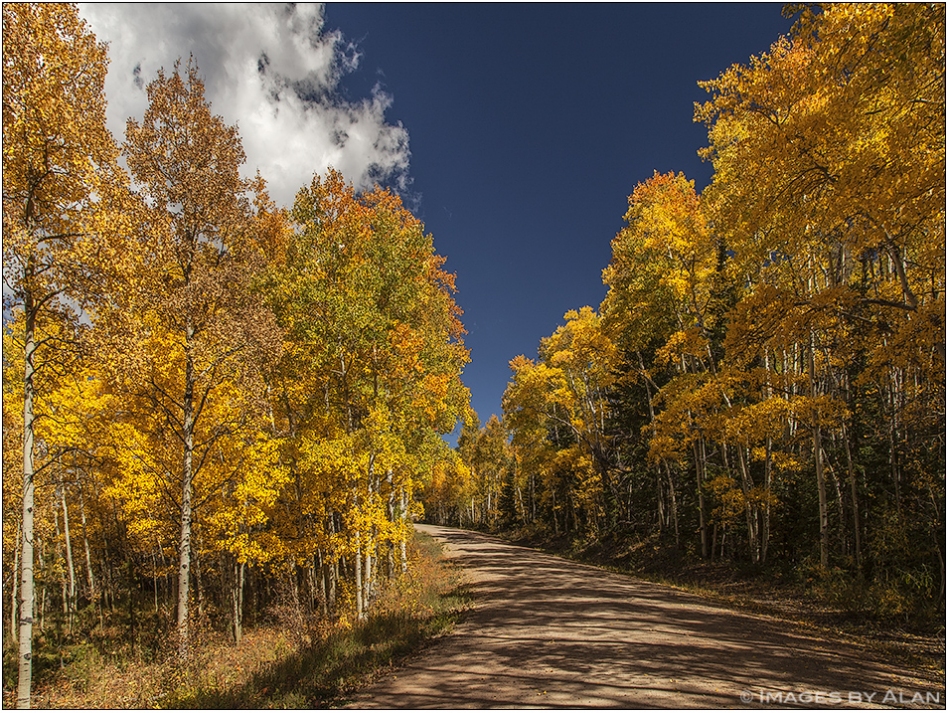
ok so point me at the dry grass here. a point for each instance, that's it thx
(272, 667)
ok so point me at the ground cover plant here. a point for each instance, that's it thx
(292, 659)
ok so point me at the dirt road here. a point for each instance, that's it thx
(548, 632)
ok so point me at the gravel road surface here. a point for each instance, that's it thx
(547, 632)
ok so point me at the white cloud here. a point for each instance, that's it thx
(271, 69)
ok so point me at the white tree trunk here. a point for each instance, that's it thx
(184, 551)
(360, 610)
(85, 543)
(16, 574)
(26, 582)
(69, 560)
(403, 556)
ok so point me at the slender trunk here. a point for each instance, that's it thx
(894, 440)
(393, 516)
(333, 567)
(367, 577)
(672, 490)
(85, 543)
(533, 499)
(357, 565)
(553, 510)
(237, 600)
(311, 586)
(184, 562)
(766, 507)
(69, 561)
(323, 583)
(852, 478)
(672, 498)
(750, 514)
(166, 577)
(15, 581)
(196, 566)
(155, 578)
(822, 498)
(768, 447)
(819, 468)
(660, 503)
(840, 498)
(360, 607)
(403, 554)
(390, 501)
(370, 540)
(26, 583)
(698, 448)
(64, 588)
(329, 587)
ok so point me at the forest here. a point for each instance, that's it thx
(764, 383)
(210, 405)
(218, 412)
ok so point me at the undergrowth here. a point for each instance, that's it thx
(273, 667)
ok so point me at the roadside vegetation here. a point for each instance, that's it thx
(759, 403)
(288, 660)
(213, 407)
(831, 606)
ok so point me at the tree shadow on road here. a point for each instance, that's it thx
(545, 625)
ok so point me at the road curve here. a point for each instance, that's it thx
(547, 632)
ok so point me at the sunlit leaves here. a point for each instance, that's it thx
(58, 156)
(780, 337)
(661, 263)
(370, 375)
(557, 408)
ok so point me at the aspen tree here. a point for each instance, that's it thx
(182, 320)
(829, 157)
(56, 154)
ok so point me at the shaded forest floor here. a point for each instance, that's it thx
(828, 606)
(275, 665)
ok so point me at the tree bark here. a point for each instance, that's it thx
(766, 509)
(237, 600)
(750, 515)
(15, 581)
(69, 559)
(184, 550)
(367, 577)
(85, 543)
(819, 468)
(403, 554)
(700, 480)
(852, 478)
(360, 607)
(26, 583)
(672, 498)
(63, 576)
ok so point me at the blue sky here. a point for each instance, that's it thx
(529, 125)
(515, 131)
